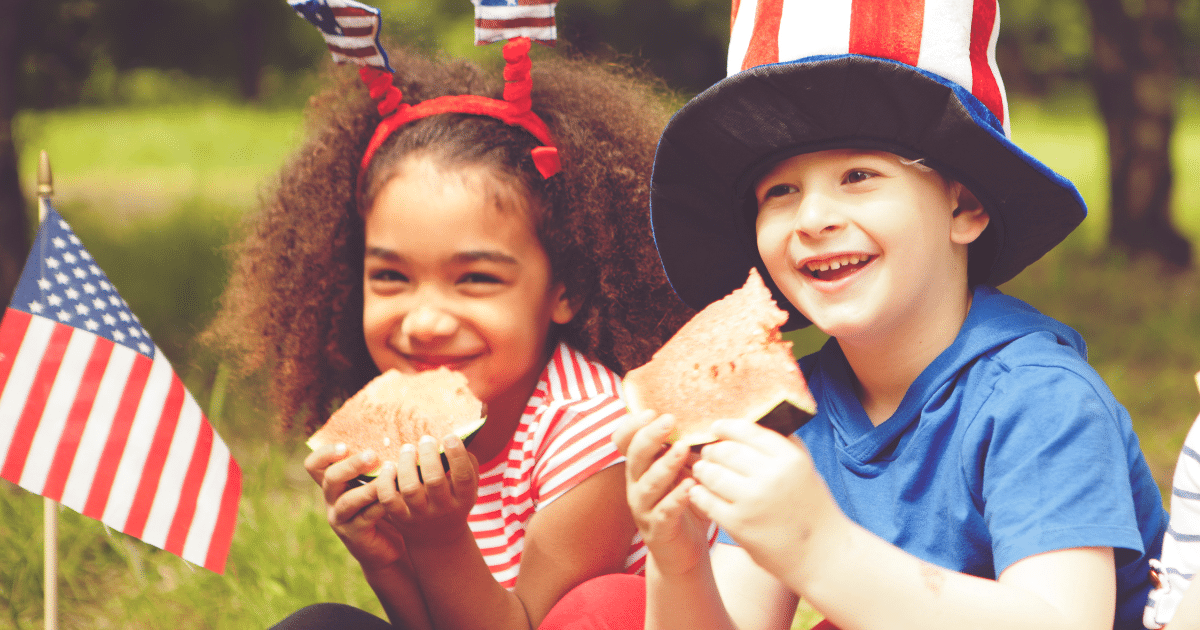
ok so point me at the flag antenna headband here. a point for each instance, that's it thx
(351, 31)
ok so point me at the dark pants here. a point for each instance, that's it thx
(332, 616)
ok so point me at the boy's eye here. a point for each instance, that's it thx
(387, 275)
(856, 176)
(779, 190)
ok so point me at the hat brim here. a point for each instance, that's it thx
(722, 141)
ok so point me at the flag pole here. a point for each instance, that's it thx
(45, 188)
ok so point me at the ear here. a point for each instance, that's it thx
(563, 310)
(969, 218)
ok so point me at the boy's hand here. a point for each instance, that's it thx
(763, 490)
(355, 515)
(657, 489)
(430, 507)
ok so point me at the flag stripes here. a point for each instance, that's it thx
(955, 40)
(498, 20)
(52, 421)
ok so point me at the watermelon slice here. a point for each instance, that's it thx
(727, 362)
(396, 408)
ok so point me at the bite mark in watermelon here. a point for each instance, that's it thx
(728, 362)
(396, 409)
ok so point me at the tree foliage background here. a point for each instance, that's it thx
(61, 53)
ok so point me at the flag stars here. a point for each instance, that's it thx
(91, 325)
(134, 332)
(99, 304)
(118, 336)
(106, 286)
(69, 258)
(52, 263)
(36, 307)
(44, 284)
(61, 278)
(89, 288)
(64, 316)
(95, 271)
(79, 273)
(82, 309)
(54, 299)
(59, 242)
(114, 300)
(72, 294)
(109, 320)
(75, 241)
(144, 347)
(124, 316)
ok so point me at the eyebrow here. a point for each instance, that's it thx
(461, 257)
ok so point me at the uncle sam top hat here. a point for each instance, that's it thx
(914, 77)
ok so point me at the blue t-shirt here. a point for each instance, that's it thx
(1008, 445)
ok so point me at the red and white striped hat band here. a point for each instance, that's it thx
(954, 39)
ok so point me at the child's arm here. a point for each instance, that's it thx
(763, 490)
(356, 517)
(584, 533)
(682, 588)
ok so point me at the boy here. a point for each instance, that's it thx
(967, 468)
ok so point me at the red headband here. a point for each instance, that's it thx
(513, 110)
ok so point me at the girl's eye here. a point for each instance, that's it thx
(479, 278)
(856, 176)
(779, 190)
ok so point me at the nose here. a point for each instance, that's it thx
(817, 217)
(428, 324)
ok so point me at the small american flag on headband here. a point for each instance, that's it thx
(350, 29)
(501, 20)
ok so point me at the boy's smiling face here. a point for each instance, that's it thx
(865, 245)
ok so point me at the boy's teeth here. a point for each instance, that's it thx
(836, 263)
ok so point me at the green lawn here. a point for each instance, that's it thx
(153, 192)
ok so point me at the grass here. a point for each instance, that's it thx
(153, 192)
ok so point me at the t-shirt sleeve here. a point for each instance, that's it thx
(577, 444)
(1181, 546)
(1051, 468)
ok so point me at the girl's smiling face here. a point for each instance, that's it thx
(454, 275)
(865, 245)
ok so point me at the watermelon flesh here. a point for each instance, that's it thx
(396, 408)
(727, 362)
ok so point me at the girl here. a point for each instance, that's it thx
(453, 247)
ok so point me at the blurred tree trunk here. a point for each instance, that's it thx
(14, 222)
(1134, 76)
(252, 21)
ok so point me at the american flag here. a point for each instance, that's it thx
(350, 29)
(93, 416)
(501, 20)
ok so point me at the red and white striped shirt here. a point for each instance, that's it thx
(563, 438)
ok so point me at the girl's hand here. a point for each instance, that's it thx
(431, 508)
(657, 486)
(764, 491)
(355, 514)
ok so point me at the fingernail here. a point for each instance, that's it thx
(451, 441)
(367, 456)
(407, 448)
(428, 439)
(340, 449)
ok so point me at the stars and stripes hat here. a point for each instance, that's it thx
(917, 78)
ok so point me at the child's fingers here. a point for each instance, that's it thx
(338, 474)
(646, 445)
(736, 456)
(708, 504)
(719, 480)
(389, 493)
(429, 459)
(409, 482)
(628, 426)
(321, 458)
(351, 504)
(649, 489)
(462, 468)
(751, 434)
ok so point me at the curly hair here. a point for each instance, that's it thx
(292, 310)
